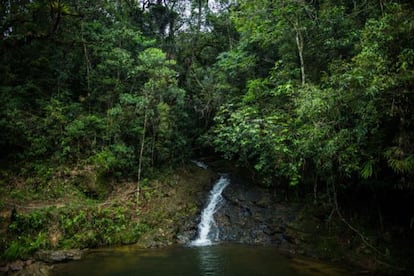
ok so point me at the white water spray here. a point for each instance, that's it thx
(207, 216)
(200, 164)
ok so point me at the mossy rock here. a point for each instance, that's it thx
(57, 256)
(91, 184)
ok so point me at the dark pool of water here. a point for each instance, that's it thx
(221, 259)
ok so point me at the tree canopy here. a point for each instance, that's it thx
(298, 92)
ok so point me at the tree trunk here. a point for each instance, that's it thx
(200, 9)
(299, 44)
(141, 153)
(87, 62)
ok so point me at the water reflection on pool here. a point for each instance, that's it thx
(220, 259)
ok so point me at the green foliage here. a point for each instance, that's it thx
(92, 77)
(82, 136)
(30, 236)
(24, 247)
(28, 223)
(299, 92)
(345, 123)
(400, 162)
(98, 226)
(75, 227)
(96, 74)
(367, 169)
(118, 160)
(258, 140)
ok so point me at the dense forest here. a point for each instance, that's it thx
(310, 96)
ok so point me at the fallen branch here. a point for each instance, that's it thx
(363, 238)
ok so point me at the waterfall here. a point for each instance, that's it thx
(200, 164)
(207, 216)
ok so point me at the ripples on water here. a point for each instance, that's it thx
(221, 259)
(210, 263)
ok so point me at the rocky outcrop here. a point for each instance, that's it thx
(254, 215)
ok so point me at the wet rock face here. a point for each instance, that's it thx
(253, 215)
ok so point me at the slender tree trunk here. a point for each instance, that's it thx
(88, 64)
(154, 135)
(141, 153)
(200, 9)
(382, 6)
(88, 67)
(198, 28)
(299, 44)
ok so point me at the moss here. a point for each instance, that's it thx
(91, 184)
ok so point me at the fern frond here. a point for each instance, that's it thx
(400, 162)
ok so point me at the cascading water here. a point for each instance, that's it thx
(200, 164)
(207, 216)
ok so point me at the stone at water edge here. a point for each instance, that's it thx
(50, 256)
